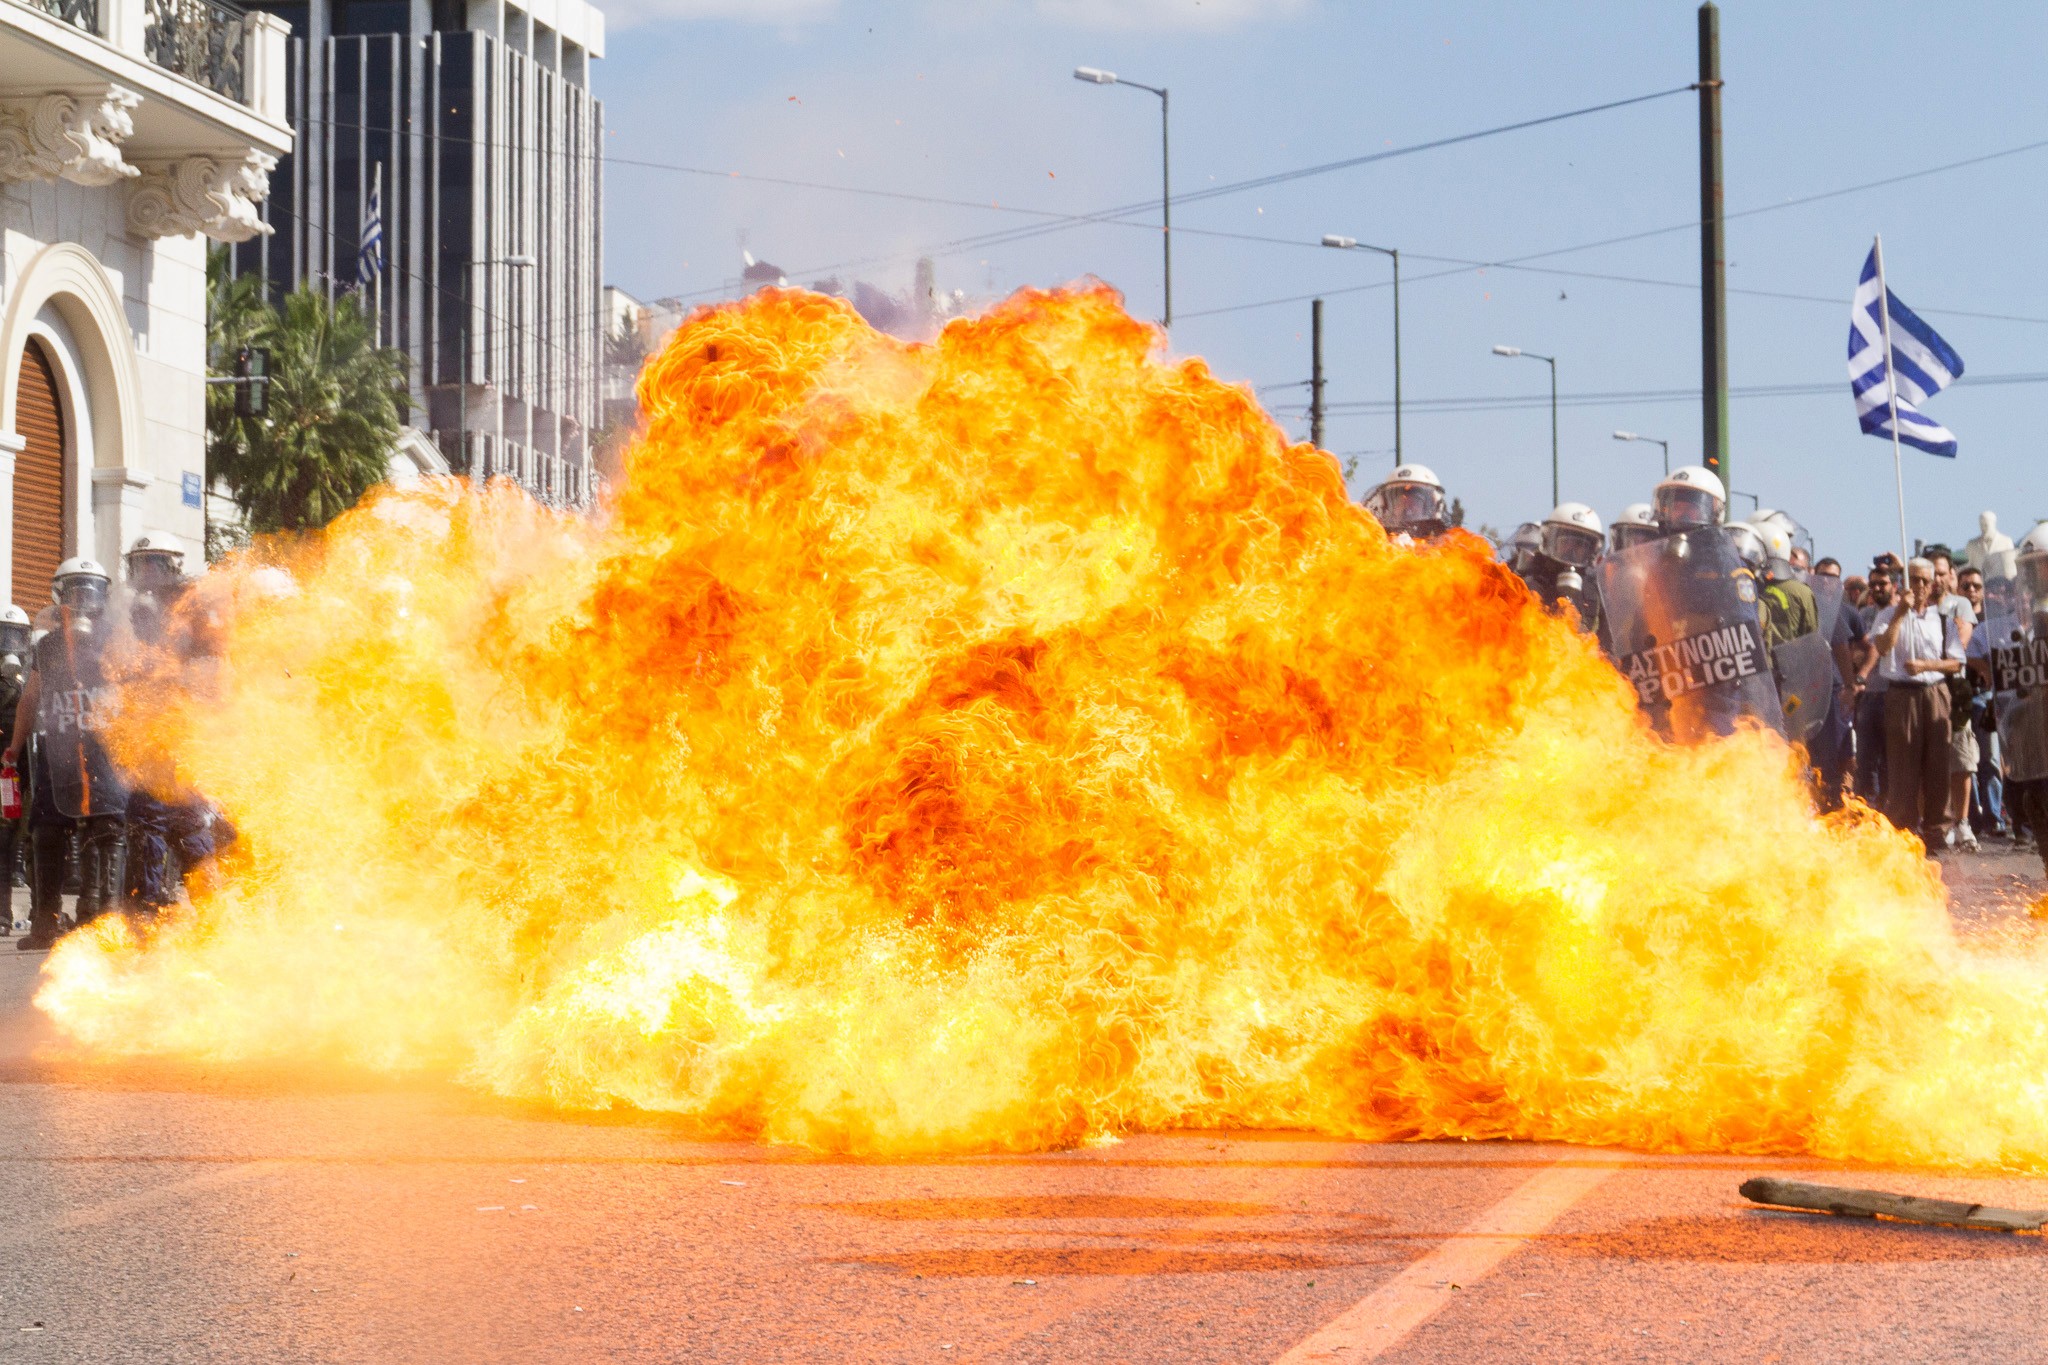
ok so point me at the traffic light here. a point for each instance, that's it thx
(252, 382)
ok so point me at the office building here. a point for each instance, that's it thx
(473, 122)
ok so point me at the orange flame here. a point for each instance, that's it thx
(1013, 741)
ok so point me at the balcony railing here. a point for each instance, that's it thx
(201, 40)
(83, 14)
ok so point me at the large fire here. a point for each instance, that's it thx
(1008, 742)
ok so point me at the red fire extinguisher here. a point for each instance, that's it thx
(10, 793)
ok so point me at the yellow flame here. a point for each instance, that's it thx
(1012, 742)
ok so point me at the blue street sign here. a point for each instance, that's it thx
(195, 490)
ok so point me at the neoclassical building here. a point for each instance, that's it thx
(132, 132)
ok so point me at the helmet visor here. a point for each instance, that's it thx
(13, 637)
(1411, 506)
(82, 595)
(2034, 582)
(1574, 545)
(1683, 508)
(1628, 535)
(151, 571)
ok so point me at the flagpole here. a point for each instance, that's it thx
(1891, 384)
(377, 314)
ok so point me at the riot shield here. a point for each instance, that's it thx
(1827, 595)
(1682, 618)
(2019, 680)
(75, 704)
(1804, 669)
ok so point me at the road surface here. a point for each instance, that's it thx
(179, 1214)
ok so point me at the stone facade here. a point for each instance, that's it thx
(115, 173)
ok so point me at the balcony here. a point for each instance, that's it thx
(203, 76)
(202, 40)
(82, 14)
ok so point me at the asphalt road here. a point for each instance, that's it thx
(160, 1214)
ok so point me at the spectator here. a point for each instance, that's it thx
(1948, 601)
(1988, 792)
(1918, 650)
(1855, 588)
(1868, 690)
(1834, 747)
(1828, 567)
(1964, 751)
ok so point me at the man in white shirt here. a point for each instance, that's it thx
(1917, 649)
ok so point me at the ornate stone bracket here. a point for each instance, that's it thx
(73, 134)
(202, 194)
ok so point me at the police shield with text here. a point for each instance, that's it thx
(2017, 646)
(67, 703)
(1411, 503)
(1682, 619)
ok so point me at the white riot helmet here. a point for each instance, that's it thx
(1572, 534)
(14, 631)
(1526, 541)
(1411, 501)
(1689, 498)
(1777, 543)
(1636, 525)
(2031, 555)
(1750, 547)
(153, 568)
(1798, 536)
(80, 587)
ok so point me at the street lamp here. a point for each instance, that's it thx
(1331, 239)
(1755, 503)
(1096, 76)
(517, 261)
(1551, 361)
(1652, 440)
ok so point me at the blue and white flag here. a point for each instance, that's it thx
(370, 253)
(1921, 365)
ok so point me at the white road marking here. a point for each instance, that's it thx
(1384, 1318)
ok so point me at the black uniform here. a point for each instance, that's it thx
(79, 789)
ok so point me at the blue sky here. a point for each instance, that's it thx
(973, 100)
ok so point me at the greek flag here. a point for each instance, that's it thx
(1921, 364)
(370, 254)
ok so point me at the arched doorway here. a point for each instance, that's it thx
(39, 479)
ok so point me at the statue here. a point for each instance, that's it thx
(1991, 551)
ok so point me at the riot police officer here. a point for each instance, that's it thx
(1411, 503)
(1568, 542)
(170, 830)
(1637, 525)
(2016, 648)
(1683, 620)
(66, 703)
(14, 650)
(1688, 498)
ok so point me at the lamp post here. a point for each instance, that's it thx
(519, 261)
(1097, 76)
(1755, 503)
(1331, 239)
(1652, 440)
(1551, 361)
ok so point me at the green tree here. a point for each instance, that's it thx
(336, 401)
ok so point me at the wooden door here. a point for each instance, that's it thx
(39, 481)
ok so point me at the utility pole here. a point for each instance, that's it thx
(1315, 374)
(1713, 254)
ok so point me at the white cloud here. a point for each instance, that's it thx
(1162, 14)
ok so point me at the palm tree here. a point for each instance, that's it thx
(336, 401)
